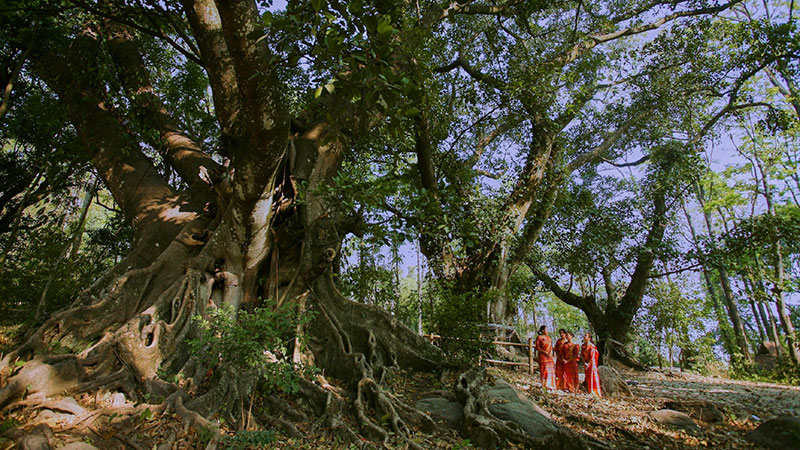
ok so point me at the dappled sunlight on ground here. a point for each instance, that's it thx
(623, 422)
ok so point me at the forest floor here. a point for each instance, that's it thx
(623, 423)
(612, 423)
(620, 423)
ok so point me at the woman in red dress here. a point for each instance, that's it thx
(561, 357)
(590, 356)
(572, 352)
(544, 348)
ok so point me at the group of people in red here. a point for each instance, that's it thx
(563, 372)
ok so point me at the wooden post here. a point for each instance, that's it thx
(530, 355)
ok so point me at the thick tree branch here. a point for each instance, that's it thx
(266, 129)
(476, 74)
(586, 303)
(485, 141)
(631, 300)
(638, 162)
(207, 29)
(15, 73)
(597, 153)
(594, 40)
(441, 11)
(181, 152)
(157, 33)
(142, 193)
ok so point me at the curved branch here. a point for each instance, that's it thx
(182, 153)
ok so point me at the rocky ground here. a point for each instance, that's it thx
(625, 422)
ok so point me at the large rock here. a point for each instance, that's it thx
(697, 409)
(674, 419)
(612, 384)
(780, 433)
(442, 410)
(507, 403)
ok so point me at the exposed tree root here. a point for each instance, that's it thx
(487, 431)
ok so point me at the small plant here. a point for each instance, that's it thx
(8, 424)
(243, 341)
(247, 439)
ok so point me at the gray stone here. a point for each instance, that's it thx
(117, 399)
(697, 409)
(779, 433)
(507, 403)
(612, 384)
(674, 419)
(442, 409)
(79, 445)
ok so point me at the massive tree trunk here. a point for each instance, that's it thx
(237, 235)
(232, 238)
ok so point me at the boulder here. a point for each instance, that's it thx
(674, 419)
(697, 409)
(779, 433)
(442, 410)
(507, 403)
(612, 384)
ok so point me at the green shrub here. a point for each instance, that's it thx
(242, 341)
(460, 318)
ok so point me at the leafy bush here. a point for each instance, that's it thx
(242, 341)
(460, 318)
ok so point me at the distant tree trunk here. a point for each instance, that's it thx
(724, 324)
(730, 300)
(761, 325)
(778, 289)
(68, 251)
(419, 292)
(18, 219)
(77, 238)
(757, 284)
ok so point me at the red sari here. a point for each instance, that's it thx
(571, 380)
(590, 356)
(561, 360)
(546, 370)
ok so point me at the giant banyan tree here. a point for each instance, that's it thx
(253, 214)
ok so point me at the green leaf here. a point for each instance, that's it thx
(318, 92)
(411, 112)
(317, 5)
(385, 25)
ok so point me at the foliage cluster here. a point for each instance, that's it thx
(257, 341)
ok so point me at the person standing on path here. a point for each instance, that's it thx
(544, 349)
(590, 357)
(561, 359)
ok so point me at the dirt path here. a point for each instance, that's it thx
(623, 423)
